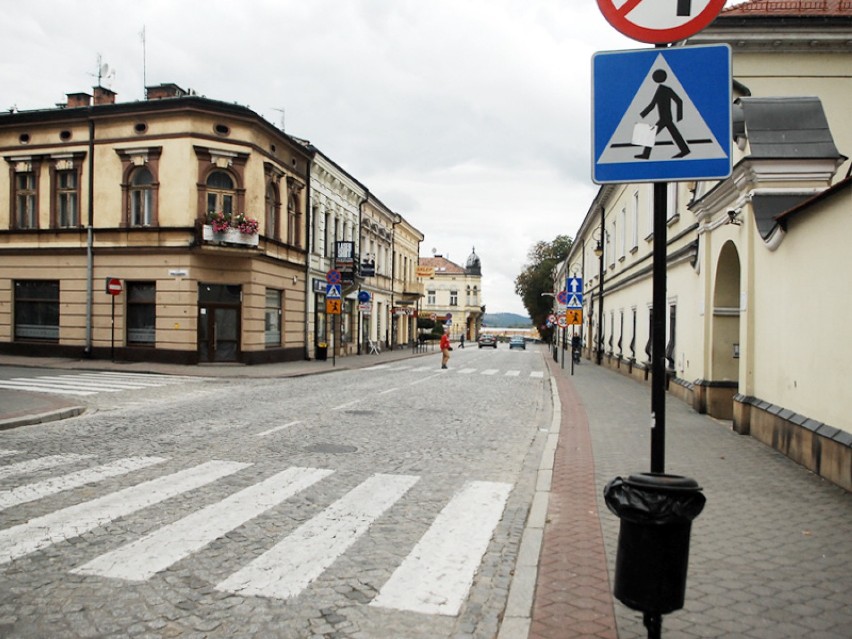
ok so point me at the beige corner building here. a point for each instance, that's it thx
(96, 191)
(454, 292)
(757, 264)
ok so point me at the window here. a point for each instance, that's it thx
(430, 298)
(634, 241)
(272, 321)
(67, 199)
(141, 313)
(271, 210)
(25, 200)
(622, 239)
(454, 298)
(220, 193)
(37, 310)
(141, 198)
(671, 201)
(327, 236)
(140, 186)
(670, 347)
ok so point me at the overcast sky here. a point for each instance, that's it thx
(471, 118)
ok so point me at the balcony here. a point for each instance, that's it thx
(228, 236)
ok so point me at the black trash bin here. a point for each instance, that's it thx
(656, 512)
(322, 352)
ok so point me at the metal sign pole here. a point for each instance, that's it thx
(658, 341)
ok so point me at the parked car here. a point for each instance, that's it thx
(517, 342)
(487, 340)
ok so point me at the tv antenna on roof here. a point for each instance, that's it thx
(105, 74)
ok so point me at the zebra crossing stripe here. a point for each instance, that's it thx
(26, 386)
(143, 558)
(38, 490)
(512, 373)
(490, 371)
(467, 371)
(277, 428)
(66, 381)
(436, 576)
(290, 566)
(537, 374)
(75, 520)
(32, 465)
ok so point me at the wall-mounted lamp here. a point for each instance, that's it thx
(295, 279)
(735, 217)
(598, 249)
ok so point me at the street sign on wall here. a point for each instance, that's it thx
(659, 22)
(662, 114)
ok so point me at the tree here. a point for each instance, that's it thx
(537, 278)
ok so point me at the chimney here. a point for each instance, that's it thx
(78, 100)
(104, 96)
(164, 91)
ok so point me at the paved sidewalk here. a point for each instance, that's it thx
(771, 554)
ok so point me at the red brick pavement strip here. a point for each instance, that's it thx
(573, 597)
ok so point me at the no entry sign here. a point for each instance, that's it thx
(657, 21)
(113, 285)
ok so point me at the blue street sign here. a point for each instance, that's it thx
(662, 115)
(333, 292)
(575, 300)
(363, 297)
(574, 285)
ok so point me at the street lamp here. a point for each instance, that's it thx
(599, 253)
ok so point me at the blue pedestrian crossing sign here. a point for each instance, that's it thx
(333, 291)
(662, 115)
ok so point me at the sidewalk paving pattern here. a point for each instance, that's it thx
(771, 555)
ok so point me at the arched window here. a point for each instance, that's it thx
(271, 210)
(141, 197)
(220, 193)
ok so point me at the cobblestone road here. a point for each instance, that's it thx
(378, 503)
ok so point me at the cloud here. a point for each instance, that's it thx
(469, 117)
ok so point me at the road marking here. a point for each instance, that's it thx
(73, 382)
(512, 373)
(377, 367)
(43, 389)
(467, 371)
(490, 371)
(436, 576)
(143, 558)
(276, 429)
(347, 405)
(290, 566)
(73, 521)
(32, 465)
(389, 390)
(537, 374)
(38, 490)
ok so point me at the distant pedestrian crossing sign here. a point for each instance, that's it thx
(662, 115)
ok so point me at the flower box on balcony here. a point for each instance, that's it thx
(229, 236)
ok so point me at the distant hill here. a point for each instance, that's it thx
(506, 320)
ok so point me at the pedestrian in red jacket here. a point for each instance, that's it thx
(445, 349)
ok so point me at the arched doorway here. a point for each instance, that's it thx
(724, 360)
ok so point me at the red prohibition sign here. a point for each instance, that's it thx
(660, 21)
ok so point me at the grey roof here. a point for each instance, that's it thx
(768, 206)
(785, 128)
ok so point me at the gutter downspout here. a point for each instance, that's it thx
(308, 239)
(90, 241)
(601, 287)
